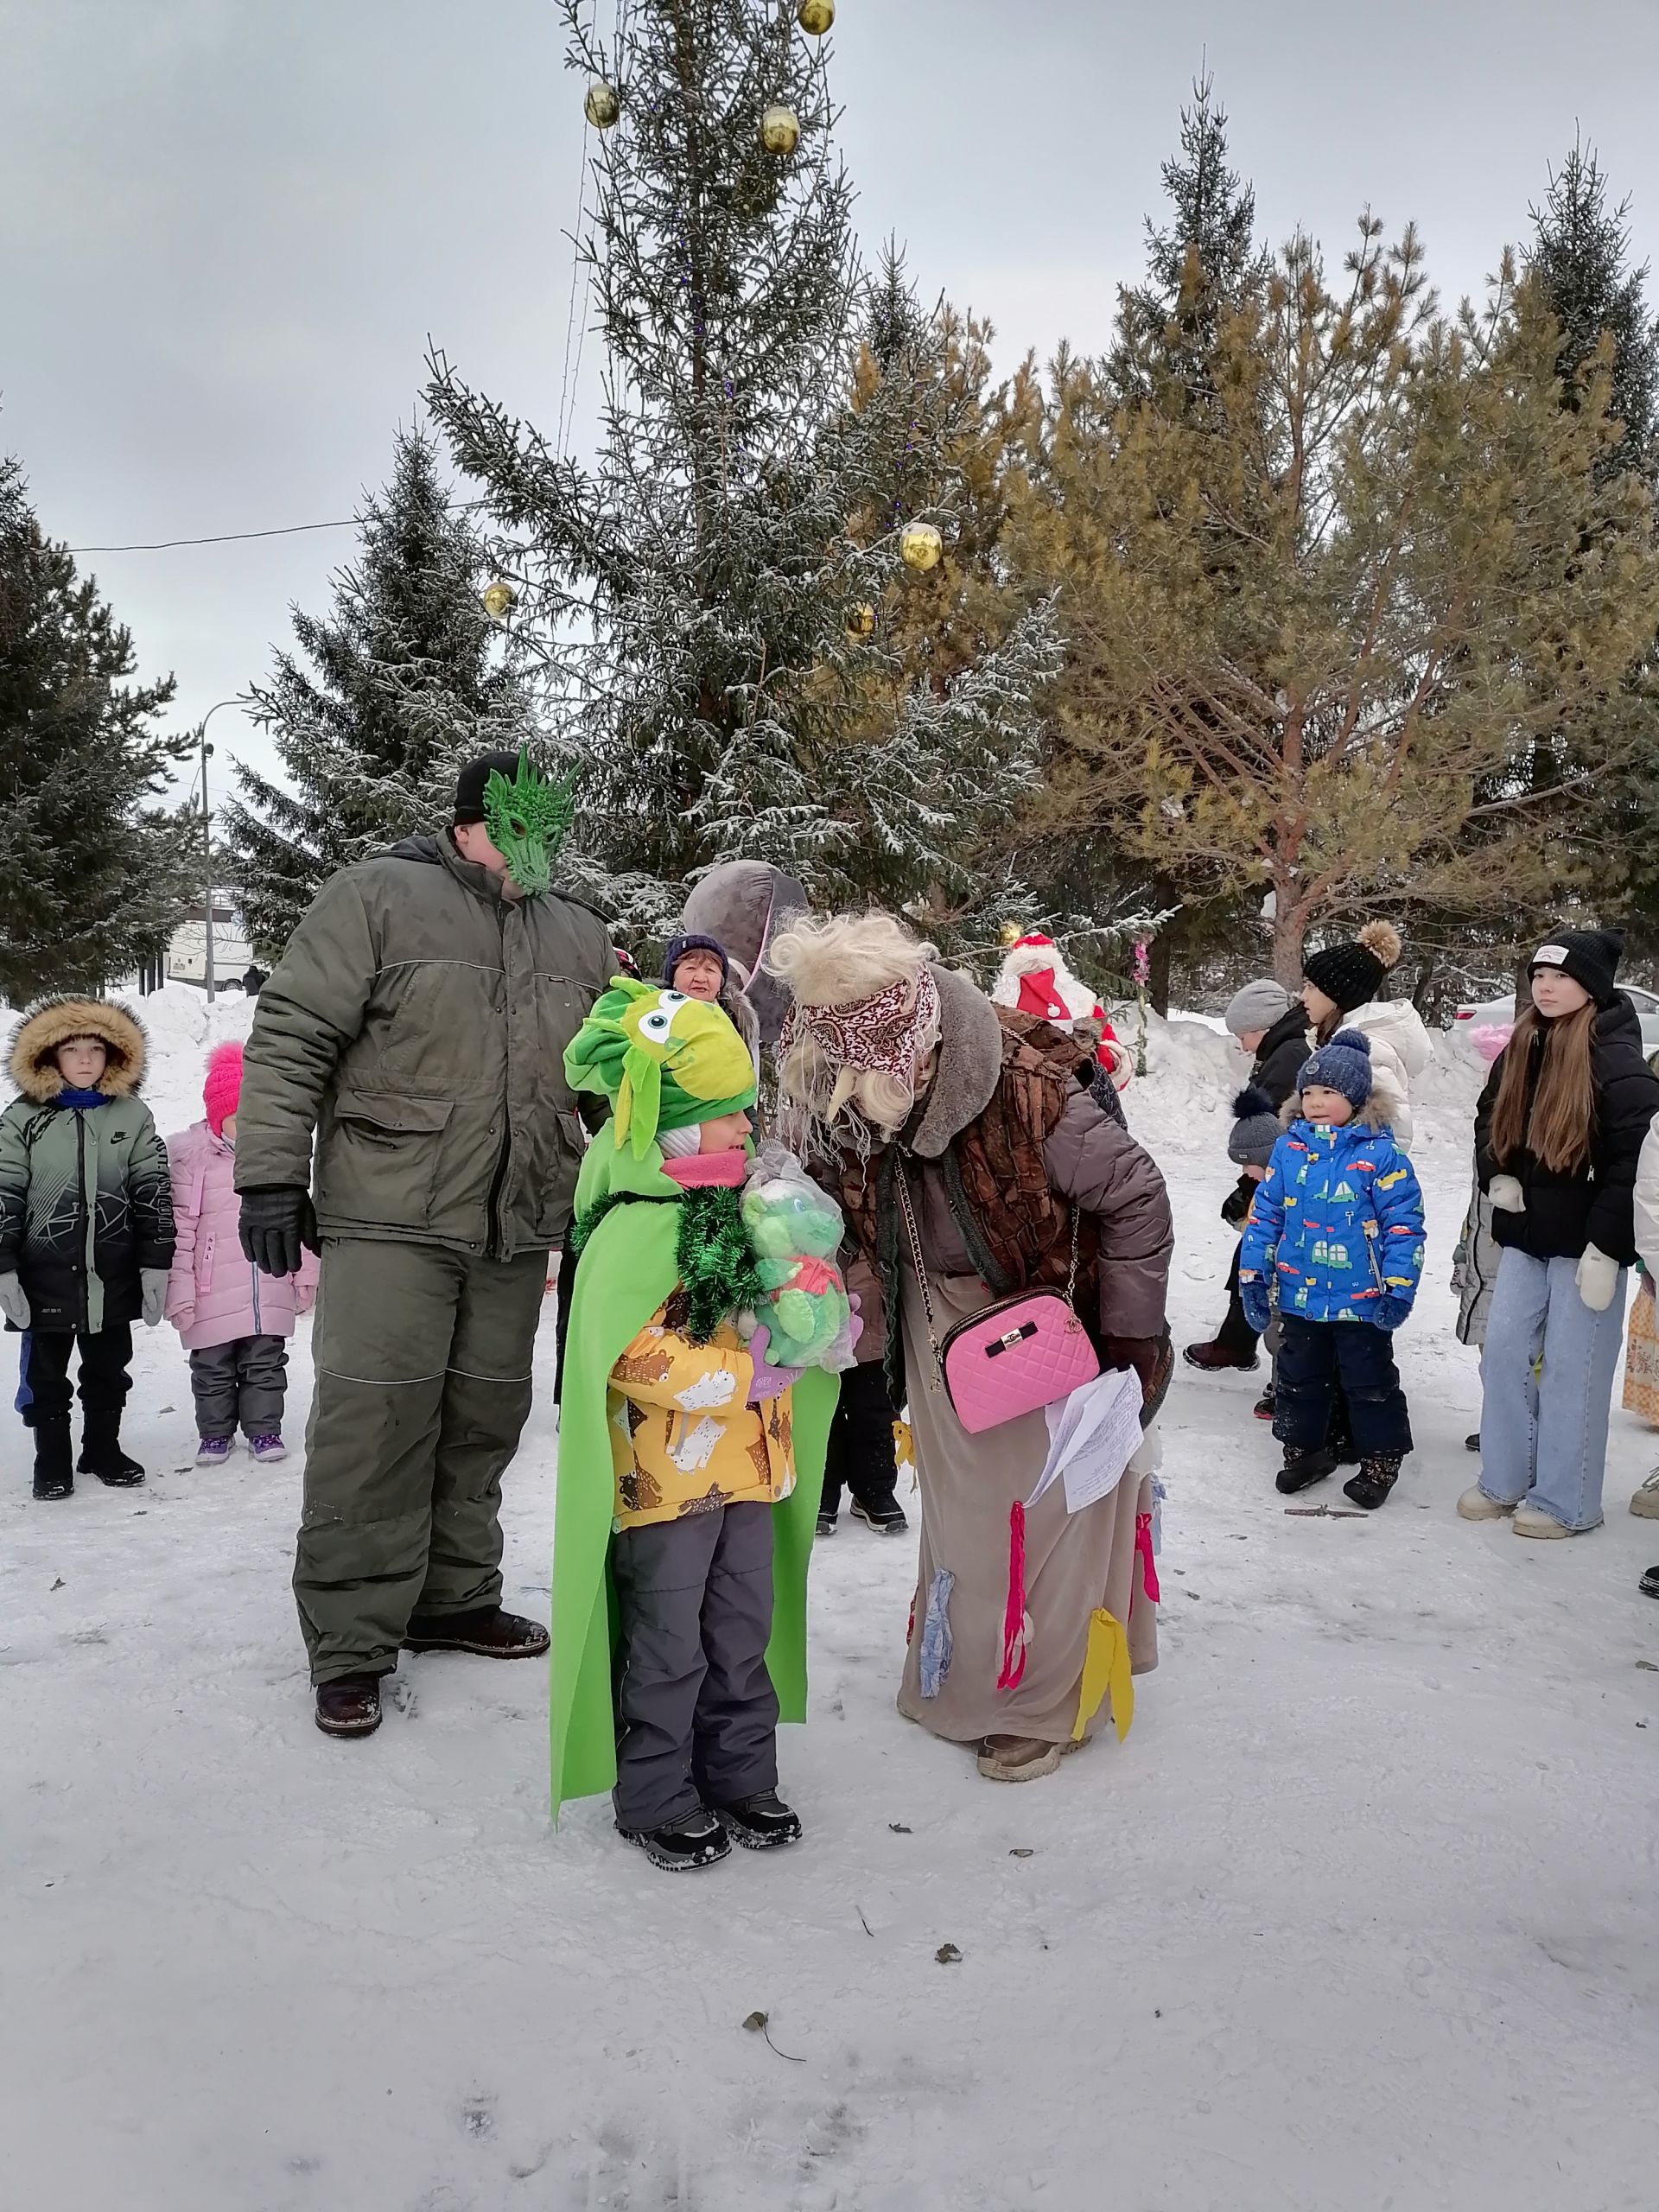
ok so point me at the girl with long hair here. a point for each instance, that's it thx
(1557, 1133)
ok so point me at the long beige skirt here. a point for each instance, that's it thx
(1074, 1562)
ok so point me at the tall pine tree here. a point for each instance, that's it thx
(92, 868)
(703, 588)
(405, 679)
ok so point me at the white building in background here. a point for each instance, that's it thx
(186, 950)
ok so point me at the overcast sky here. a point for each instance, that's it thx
(228, 226)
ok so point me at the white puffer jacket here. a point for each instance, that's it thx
(1646, 1196)
(1399, 1049)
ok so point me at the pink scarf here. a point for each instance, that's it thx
(710, 1170)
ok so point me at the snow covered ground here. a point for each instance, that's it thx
(1364, 1915)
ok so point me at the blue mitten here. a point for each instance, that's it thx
(1258, 1306)
(1391, 1311)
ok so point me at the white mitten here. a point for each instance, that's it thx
(1596, 1278)
(13, 1302)
(1507, 1195)
(153, 1282)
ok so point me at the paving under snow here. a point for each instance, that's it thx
(1364, 1914)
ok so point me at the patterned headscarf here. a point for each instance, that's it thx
(877, 1035)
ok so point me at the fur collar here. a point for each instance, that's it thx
(1373, 1114)
(970, 1061)
(53, 1021)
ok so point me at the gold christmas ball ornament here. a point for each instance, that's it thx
(921, 546)
(781, 130)
(499, 599)
(601, 107)
(815, 16)
(861, 622)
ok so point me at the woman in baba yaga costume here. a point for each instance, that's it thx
(667, 1064)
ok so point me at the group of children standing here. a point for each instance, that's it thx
(102, 1225)
(1331, 1245)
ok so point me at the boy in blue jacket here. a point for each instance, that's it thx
(1337, 1229)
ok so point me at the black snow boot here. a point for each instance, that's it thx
(886, 1518)
(1473, 1443)
(101, 1453)
(683, 1846)
(1376, 1478)
(1266, 1406)
(55, 1474)
(1304, 1466)
(1649, 1585)
(760, 1822)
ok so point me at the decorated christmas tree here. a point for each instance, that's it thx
(406, 678)
(714, 597)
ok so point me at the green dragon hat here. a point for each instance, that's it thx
(528, 819)
(663, 1060)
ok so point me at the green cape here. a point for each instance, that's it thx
(627, 1271)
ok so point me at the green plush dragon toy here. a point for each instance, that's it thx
(529, 820)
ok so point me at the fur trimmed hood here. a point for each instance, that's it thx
(50, 1022)
(1373, 1114)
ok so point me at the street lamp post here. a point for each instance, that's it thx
(207, 849)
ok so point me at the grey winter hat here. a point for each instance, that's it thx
(1256, 1128)
(1257, 1007)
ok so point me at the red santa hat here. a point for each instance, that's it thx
(1034, 979)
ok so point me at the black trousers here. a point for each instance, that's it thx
(1236, 1335)
(104, 1381)
(1313, 1355)
(859, 1453)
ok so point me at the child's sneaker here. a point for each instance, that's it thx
(212, 1450)
(760, 1822)
(1376, 1478)
(886, 1520)
(1303, 1467)
(827, 1524)
(683, 1846)
(267, 1446)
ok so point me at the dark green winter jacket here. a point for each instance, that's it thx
(85, 1198)
(417, 1023)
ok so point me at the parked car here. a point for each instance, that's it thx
(1482, 1012)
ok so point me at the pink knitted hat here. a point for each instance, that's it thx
(223, 1089)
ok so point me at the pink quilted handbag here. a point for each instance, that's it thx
(1023, 1352)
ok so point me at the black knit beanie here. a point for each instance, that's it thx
(1352, 975)
(469, 784)
(1589, 956)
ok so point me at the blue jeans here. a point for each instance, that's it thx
(1547, 1386)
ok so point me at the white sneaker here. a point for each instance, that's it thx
(1529, 1521)
(1646, 1500)
(1475, 1505)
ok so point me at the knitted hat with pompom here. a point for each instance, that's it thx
(1352, 975)
(1344, 1064)
(222, 1091)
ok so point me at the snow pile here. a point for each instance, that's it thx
(1382, 1834)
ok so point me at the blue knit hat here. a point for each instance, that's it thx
(1344, 1064)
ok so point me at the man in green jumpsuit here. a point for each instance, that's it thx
(418, 1024)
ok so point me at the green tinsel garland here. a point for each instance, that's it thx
(718, 1272)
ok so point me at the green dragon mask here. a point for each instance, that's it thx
(529, 820)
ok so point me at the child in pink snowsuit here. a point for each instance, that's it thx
(235, 1321)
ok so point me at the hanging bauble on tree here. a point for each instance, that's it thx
(921, 546)
(601, 107)
(781, 130)
(861, 622)
(499, 599)
(815, 16)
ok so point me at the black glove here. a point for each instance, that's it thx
(1236, 1206)
(275, 1222)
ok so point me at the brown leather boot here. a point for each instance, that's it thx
(486, 1631)
(349, 1706)
(1214, 1358)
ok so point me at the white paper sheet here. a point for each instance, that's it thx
(1092, 1436)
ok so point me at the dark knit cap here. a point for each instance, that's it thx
(1350, 975)
(1344, 1064)
(1256, 1128)
(691, 941)
(469, 784)
(1589, 956)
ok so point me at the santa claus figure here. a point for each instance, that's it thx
(1034, 979)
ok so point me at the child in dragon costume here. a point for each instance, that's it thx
(689, 1466)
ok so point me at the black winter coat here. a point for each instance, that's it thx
(1566, 1212)
(1281, 1055)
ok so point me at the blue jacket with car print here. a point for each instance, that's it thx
(1337, 1224)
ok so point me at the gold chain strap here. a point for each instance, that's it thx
(921, 1273)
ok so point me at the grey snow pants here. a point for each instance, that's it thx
(696, 1713)
(244, 1381)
